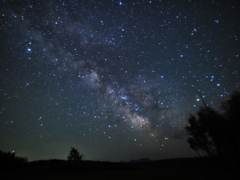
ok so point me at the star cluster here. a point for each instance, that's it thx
(116, 79)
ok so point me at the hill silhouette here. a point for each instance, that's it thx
(185, 168)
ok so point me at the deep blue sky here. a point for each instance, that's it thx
(115, 79)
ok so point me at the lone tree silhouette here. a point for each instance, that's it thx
(74, 155)
(217, 134)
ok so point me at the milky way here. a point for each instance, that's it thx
(116, 79)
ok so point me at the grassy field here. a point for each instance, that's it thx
(163, 169)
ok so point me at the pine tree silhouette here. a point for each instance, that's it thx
(74, 155)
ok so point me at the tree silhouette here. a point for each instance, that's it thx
(10, 157)
(217, 134)
(74, 155)
(231, 110)
(205, 130)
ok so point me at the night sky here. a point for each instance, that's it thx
(115, 79)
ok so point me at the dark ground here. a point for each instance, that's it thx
(163, 169)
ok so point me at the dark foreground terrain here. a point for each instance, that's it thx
(163, 169)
